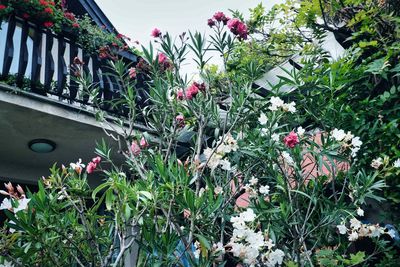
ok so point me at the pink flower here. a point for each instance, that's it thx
(211, 22)
(162, 58)
(291, 140)
(135, 148)
(179, 95)
(180, 120)
(233, 23)
(132, 73)
(219, 16)
(96, 160)
(201, 86)
(238, 28)
(143, 143)
(2, 7)
(155, 33)
(192, 91)
(91, 167)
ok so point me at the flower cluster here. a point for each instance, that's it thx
(347, 140)
(17, 200)
(214, 157)
(236, 26)
(93, 164)
(251, 246)
(357, 230)
(291, 140)
(136, 148)
(77, 167)
(277, 103)
(191, 91)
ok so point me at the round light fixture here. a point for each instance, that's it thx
(42, 146)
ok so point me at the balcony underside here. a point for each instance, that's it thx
(24, 117)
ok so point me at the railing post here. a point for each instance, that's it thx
(23, 56)
(9, 48)
(36, 61)
(49, 65)
(86, 60)
(61, 67)
(73, 85)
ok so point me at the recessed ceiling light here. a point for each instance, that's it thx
(42, 146)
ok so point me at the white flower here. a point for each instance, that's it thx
(289, 107)
(219, 247)
(392, 233)
(289, 160)
(355, 224)
(238, 249)
(276, 103)
(360, 212)
(225, 164)
(396, 163)
(78, 166)
(275, 137)
(376, 163)
(375, 230)
(356, 142)
(6, 204)
(264, 189)
(353, 236)
(248, 215)
(269, 243)
(354, 151)
(338, 135)
(255, 240)
(348, 136)
(275, 257)
(212, 158)
(342, 229)
(218, 190)
(253, 181)
(22, 204)
(300, 131)
(263, 119)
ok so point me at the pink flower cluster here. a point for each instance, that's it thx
(156, 33)
(236, 26)
(191, 91)
(132, 73)
(180, 120)
(291, 140)
(136, 148)
(93, 165)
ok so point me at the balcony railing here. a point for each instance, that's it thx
(37, 56)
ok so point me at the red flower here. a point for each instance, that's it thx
(43, 2)
(211, 22)
(25, 16)
(75, 25)
(155, 33)
(291, 140)
(48, 10)
(2, 7)
(48, 24)
(69, 16)
(132, 73)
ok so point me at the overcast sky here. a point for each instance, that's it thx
(137, 18)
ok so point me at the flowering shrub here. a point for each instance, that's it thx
(222, 176)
